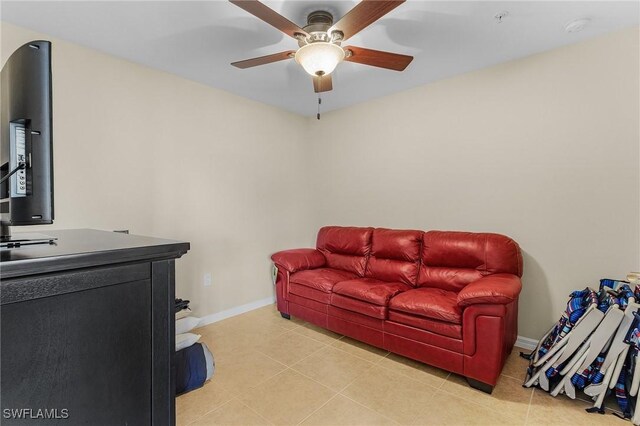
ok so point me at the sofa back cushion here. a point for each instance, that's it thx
(345, 248)
(395, 255)
(451, 260)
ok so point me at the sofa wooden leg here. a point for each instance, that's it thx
(285, 316)
(480, 385)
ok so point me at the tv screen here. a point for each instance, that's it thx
(26, 150)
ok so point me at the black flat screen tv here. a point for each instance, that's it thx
(26, 138)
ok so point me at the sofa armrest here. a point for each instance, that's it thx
(496, 289)
(298, 259)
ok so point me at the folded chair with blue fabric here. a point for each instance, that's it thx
(610, 369)
(626, 387)
(580, 319)
(587, 362)
(594, 347)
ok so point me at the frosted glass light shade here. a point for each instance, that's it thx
(319, 58)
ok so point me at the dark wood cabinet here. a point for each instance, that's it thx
(87, 330)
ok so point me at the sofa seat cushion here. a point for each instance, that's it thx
(434, 326)
(358, 306)
(428, 302)
(370, 290)
(322, 279)
(309, 293)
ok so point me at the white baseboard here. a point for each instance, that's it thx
(228, 313)
(526, 343)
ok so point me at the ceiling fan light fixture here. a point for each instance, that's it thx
(319, 58)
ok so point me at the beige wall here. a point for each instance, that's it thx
(543, 149)
(147, 151)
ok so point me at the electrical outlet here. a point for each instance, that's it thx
(207, 279)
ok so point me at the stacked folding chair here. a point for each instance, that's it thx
(593, 349)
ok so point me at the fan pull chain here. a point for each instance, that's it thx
(319, 96)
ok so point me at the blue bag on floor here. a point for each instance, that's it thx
(194, 366)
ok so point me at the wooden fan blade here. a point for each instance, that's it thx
(262, 60)
(322, 84)
(378, 58)
(270, 16)
(363, 15)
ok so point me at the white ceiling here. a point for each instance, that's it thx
(198, 40)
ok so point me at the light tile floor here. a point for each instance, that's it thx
(271, 371)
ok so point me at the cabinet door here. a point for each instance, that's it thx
(86, 352)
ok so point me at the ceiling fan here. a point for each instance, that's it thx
(320, 41)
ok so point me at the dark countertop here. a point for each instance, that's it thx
(81, 248)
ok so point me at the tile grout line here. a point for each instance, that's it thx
(435, 392)
(311, 378)
(486, 407)
(317, 409)
(388, 368)
(297, 372)
(472, 401)
(526, 418)
(324, 345)
(266, 379)
(281, 332)
(337, 392)
(255, 412)
(317, 340)
(407, 377)
(511, 377)
(272, 359)
(359, 403)
(237, 397)
(360, 357)
(479, 404)
(355, 378)
(210, 411)
(287, 367)
(367, 407)
(328, 346)
(270, 377)
(373, 409)
(343, 388)
(332, 344)
(444, 381)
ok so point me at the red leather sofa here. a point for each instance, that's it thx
(448, 299)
